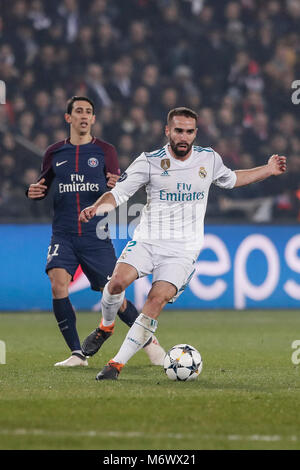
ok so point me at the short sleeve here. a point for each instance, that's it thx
(223, 176)
(136, 176)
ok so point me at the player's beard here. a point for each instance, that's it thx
(177, 151)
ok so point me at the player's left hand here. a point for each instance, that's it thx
(277, 164)
(111, 179)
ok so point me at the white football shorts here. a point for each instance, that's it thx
(152, 259)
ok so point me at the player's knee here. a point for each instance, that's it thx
(59, 288)
(116, 285)
(157, 300)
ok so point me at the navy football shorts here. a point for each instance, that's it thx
(96, 257)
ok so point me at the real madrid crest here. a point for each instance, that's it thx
(202, 172)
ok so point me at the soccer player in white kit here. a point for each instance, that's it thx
(169, 237)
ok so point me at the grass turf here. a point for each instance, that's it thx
(247, 396)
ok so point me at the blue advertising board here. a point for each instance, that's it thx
(240, 266)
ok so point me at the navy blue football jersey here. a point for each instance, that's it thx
(77, 174)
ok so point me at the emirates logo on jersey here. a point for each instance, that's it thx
(202, 172)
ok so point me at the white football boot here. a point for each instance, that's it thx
(155, 352)
(73, 361)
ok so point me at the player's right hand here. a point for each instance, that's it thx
(37, 190)
(87, 214)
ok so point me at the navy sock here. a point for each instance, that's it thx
(66, 320)
(129, 315)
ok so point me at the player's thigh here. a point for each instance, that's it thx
(123, 275)
(62, 257)
(97, 259)
(134, 262)
(138, 255)
(176, 271)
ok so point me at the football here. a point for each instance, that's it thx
(183, 362)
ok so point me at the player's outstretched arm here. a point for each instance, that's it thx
(276, 166)
(105, 203)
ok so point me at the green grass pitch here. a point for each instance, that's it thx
(247, 396)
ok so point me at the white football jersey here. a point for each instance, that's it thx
(177, 193)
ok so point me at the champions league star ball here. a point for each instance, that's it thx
(183, 362)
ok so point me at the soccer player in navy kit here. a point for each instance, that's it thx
(80, 169)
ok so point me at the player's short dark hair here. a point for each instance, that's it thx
(72, 100)
(182, 111)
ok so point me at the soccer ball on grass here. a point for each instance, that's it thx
(183, 362)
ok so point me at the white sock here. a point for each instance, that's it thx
(110, 305)
(140, 332)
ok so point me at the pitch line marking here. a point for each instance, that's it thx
(130, 435)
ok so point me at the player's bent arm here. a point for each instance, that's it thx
(136, 176)
(276, 166)
(105, 203)
(37, 190)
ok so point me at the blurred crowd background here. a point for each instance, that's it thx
(233, 62)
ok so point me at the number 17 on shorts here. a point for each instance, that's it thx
(54, 252)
